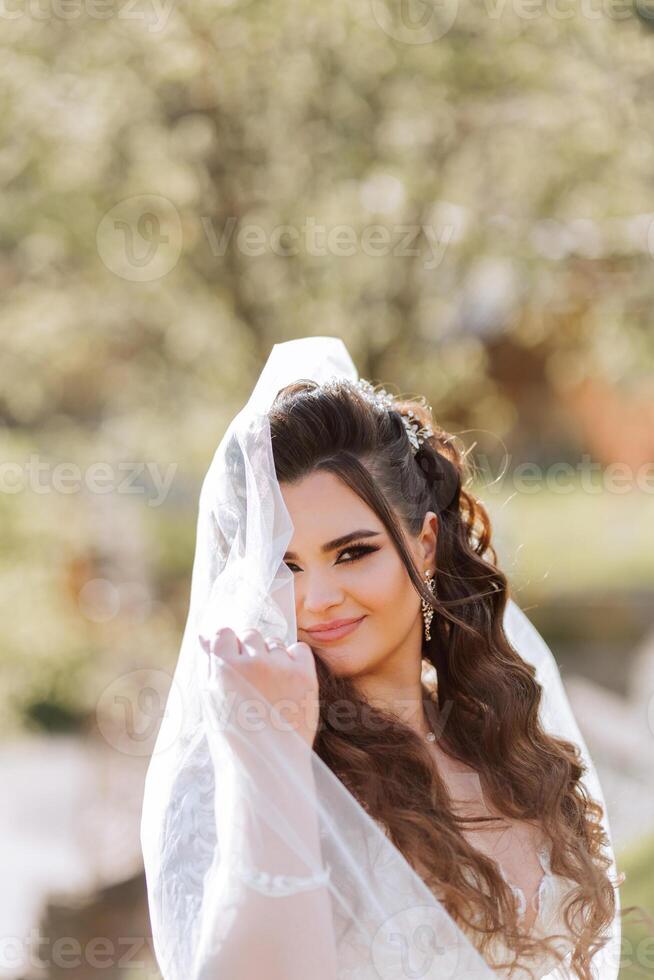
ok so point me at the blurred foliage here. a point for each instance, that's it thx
(638, 926)
(526, 140)
(508, 161)
(553, 542)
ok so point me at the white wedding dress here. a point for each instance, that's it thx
(548, 903)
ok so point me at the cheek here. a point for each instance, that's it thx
(388, 593)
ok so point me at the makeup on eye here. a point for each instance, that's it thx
(357, 550)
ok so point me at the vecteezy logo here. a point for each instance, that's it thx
(415, 21)
(131, 708)
(140, 238)
(417, 942)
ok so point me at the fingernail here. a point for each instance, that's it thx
(218, 636)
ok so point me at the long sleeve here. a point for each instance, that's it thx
(272, 904)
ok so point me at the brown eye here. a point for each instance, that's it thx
(358, 551)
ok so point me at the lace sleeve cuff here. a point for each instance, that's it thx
(280, 884)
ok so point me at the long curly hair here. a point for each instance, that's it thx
(487, 692)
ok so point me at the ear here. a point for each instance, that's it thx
(427, 540)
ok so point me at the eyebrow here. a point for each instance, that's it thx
(338, 542)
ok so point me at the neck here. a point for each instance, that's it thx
(397, 689)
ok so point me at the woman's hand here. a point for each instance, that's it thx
(285, 677)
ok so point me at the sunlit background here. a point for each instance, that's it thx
(463, 194)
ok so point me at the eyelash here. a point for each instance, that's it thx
(360, 549)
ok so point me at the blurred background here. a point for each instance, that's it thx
(463, 194)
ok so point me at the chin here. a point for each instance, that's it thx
(341, 663)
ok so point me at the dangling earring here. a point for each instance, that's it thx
(427, 609)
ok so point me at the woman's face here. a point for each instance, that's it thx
(363, 577)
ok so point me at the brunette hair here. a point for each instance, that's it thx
(486, 691)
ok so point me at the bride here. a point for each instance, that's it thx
(413, 797)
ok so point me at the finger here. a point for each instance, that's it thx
(253, 643)
(225, 643)
(275, 645)
(299, 650)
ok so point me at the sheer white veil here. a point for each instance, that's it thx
(213, 823)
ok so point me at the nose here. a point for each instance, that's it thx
(319, 591)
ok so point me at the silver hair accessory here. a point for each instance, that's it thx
(415, 430)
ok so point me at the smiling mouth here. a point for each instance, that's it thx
(325, 636)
